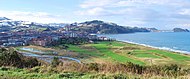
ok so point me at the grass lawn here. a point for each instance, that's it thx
(118, 52)
(77, 49)
(115, 43)
(104, 47)
(145, 55)
(174, 56)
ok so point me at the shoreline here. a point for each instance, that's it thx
(160, 48)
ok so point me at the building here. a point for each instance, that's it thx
(92, 36)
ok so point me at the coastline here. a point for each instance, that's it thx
(174, 42)
(160, 48)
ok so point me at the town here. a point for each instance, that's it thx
(43, 38)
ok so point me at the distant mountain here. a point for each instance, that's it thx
(180, 30)
(4, 18)
(7, 25)
(152, 29)
(100, 27)
(95, 26)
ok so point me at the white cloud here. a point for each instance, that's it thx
(96, 3)
(139, 12)
(92, 12)
(185, 12)
(120, 3)
(41, 17)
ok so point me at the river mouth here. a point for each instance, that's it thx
(43, 55)
(38, 51)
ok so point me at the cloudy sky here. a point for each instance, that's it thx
(162, 14)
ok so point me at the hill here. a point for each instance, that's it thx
(4, 18)
(100, 27)
(7, 25)
(180, 30)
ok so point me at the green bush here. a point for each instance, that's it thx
(9, 57)
(55, 62)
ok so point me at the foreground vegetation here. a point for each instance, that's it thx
(102, 60)
(48, 72)
(10, 57)
(74, 70)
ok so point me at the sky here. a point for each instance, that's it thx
(162, 14)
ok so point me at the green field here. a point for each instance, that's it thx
(126, 52)
(174, 56)
(79, 50)
(145, 55)
(104, 48)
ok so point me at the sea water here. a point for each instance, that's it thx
(173, 41)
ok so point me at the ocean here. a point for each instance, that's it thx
(172, 41)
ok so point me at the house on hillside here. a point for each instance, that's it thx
(41, 41)
(92, 36)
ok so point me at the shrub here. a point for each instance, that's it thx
(55, 62)
(9, 57)
(93, 67)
